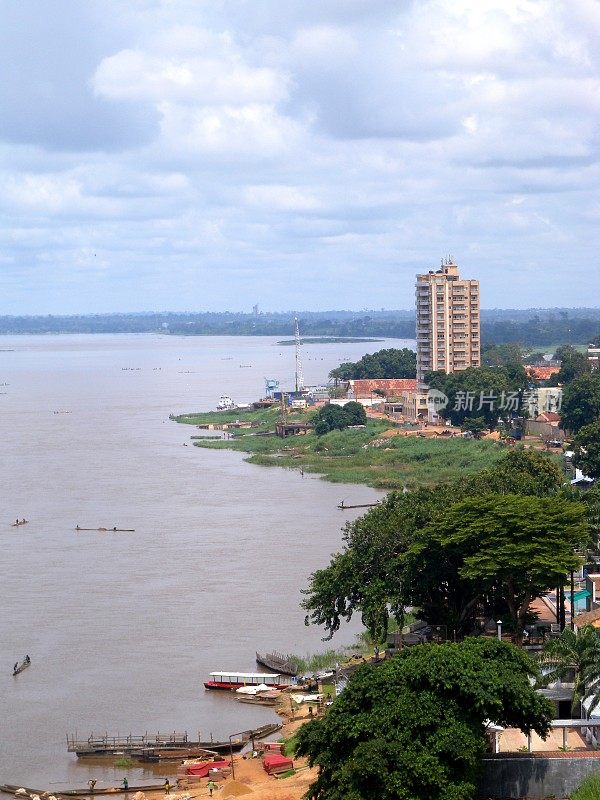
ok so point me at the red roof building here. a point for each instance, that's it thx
(364, 388)
(551, 417)
(542, 373)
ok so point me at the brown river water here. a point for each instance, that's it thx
(122, 628)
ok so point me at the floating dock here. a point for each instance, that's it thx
(161, 746)
(112, 745)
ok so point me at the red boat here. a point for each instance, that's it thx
(235, 680)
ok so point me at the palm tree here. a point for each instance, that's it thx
(577, 651)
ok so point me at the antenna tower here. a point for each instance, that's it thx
(299, 375)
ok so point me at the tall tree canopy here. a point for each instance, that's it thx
(332, 417)
(388, 363)
(586, 446)
(414, 727)
(490, 393)
(517, 545)
(581, 402)
(573, 365)
(499, 355)
(393, 556)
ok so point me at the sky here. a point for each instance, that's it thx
(192, 155)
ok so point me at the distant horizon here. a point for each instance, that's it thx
(265, 312)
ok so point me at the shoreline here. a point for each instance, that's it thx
(380, 455)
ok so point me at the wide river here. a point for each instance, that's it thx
(122, 628)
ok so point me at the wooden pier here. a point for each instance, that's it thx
(98, 744)
(147, 746)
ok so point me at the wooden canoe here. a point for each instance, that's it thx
(278, 663)
(108, 530)
(23, 665)
(154, 787)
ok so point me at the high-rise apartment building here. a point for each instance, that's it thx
(447, 321)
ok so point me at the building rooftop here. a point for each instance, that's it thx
(362, 388)
(587, 618)
(542, 373)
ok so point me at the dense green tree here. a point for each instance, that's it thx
(388, 363)
(591, 501)
(520, 545)
(573, 365)
(522, 471)
(332, 417)
(355, 413)
(581, 402)
(393, 557)
(578, 652)
(492, 393)
(476, 425)
(586, 446)
(499, 355)
(414, 727)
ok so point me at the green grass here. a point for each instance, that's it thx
(287, 774)
(350, 456)
(124, 763)
(552, 348)
(264, 416)
(353, 456)
(320, 661)
(289, 746)
(589, 789)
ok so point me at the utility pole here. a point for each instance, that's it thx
(299, 375)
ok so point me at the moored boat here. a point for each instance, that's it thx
(16, 790)
(277, 662)
(225, 403)
(235, 680)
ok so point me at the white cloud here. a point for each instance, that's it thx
(281, 198)
(207, 79)
(201, 142)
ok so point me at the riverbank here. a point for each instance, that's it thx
(377, 455)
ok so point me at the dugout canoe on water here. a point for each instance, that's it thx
(8, 788)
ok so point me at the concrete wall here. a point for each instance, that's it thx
(533, 428)
(529, 778)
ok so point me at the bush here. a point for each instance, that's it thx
(331, 418)
(589, 789)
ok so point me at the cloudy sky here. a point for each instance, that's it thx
(310, 154)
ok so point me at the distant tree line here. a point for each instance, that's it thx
(529, 328)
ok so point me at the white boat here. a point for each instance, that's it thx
(225, 403)
(236, 680)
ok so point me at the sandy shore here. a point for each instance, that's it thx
(252, 781)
